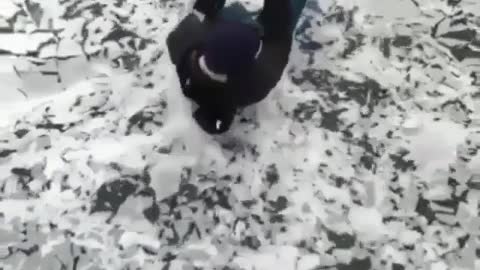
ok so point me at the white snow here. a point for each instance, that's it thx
(49, 246)
(439, 266)
(308, 262)
(7, 9)
(271, 258)
(322, 190)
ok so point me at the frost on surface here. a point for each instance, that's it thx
(364, 157)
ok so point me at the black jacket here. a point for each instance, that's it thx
(217, 102)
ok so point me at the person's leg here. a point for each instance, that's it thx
(298, 6)
(276, 18)
(208, 8)
(279, 17)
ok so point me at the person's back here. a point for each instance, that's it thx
(224, 64)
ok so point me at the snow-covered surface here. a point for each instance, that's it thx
(365, 156)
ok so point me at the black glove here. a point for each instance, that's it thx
(213, 122)
(210, 8)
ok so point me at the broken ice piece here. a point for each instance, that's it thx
(367, 222)
(133, 238)
(364, 110)
(411, 125)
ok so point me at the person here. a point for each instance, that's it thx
(227, 59)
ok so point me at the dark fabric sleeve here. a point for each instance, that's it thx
(187, 33)
(215, 120)
(184, 73)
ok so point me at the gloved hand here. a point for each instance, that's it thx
(210, 8)
(211, 122)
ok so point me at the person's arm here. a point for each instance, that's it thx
(215, 120)
(192, 28)
(187, 33)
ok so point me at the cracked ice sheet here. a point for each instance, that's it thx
(364, 156)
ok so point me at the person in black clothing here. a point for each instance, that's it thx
(226, 60)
